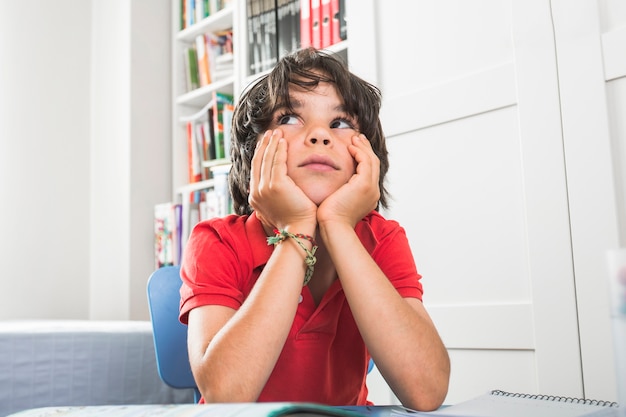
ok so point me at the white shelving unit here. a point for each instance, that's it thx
(193, 105)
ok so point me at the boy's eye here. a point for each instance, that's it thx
(341, 124)
(287, 119)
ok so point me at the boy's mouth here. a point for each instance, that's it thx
(319, 162)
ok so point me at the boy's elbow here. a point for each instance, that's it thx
(428, 394)
(427, 401)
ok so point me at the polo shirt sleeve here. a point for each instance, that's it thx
(392, 253)
(215, 261)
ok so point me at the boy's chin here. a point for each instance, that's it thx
(317, 198)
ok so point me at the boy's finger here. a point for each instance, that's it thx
(270, 154)
(257, 161)
(367, 161)
(279, 164)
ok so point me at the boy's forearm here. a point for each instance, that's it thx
(237, 362)
(401, 337)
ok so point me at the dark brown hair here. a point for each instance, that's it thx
(306, 69)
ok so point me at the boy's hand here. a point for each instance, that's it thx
(276, 199)
(360, 195)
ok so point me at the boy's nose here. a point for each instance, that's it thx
(315, 141)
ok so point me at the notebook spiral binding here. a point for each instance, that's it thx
(556, 398)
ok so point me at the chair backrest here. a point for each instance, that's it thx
(170, 335)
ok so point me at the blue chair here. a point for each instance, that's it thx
(170, 335)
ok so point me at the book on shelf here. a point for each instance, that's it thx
(220, 52)
(278, 27)
(209, 59)
(325, 24)
(220, 188)
(288, 26)
(252, 16)
(269, 38)
(336, 18)
(262, 31)
(194, 153)
(190, 64)
(305, 24)
(216, 122)
(194, 11)
(166, 230)
(189, 12)
(201, 10)
(321, 23)
(203, 146)
(212, 200)
(202, 50)
(227, 123)
(316, 25)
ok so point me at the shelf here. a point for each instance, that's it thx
(200, 96)
(216, 163)
(338, 48)
(196, 186)
(221, 20)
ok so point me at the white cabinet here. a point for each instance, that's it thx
(503, 122)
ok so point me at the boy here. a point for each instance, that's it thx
(288, 299)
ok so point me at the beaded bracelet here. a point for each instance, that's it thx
(310, 259)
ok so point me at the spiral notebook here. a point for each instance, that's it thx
(506, 404)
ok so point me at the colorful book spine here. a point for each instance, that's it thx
(316, 24)
(325, 24)
(204, 71)
(166, 246)
(305, 24)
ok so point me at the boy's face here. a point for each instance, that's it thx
(318, 132)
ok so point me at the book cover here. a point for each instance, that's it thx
(316, 32)
(305, 24)
(204, 72)
(220, 51)
(294, 8)
(189, 12)
(199, 12)
(217, 116)
(165, 235)
(343, 25)
(267, 34)
(210, 146)
(283, 27)
(254, 36)
(178, 240)
(227, 116)
(183, 10)
(190, 62)
(325, 22)
(202, 142)
(335, 30)
(222, 195)
(193, 154)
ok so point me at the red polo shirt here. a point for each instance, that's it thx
(324, 359)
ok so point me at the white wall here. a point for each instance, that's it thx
(44, 158)
(84, 154)
(131, 149)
